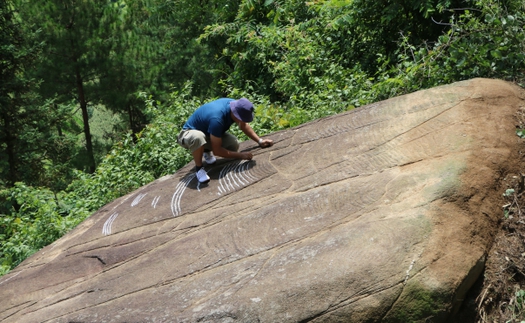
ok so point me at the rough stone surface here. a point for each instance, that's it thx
(384, 213)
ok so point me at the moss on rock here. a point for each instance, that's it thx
(419, 303)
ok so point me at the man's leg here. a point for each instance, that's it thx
(197, 156)
(195, 140)
(200, 172)
(230, 142)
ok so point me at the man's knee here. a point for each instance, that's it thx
(230, 142)
(233, 146)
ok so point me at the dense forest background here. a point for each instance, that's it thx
(94, 92)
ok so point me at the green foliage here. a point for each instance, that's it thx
(174, 27)
(89, 58)
(418, 303)
(509, 192)
(292, 61)
(281, 48)
(29, 147)
(486, 42)
(517, 306)
(36, 219)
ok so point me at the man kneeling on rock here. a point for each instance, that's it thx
(204, 134)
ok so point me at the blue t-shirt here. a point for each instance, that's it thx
(211, 118)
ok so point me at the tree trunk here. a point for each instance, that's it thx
(10, 150)
(130, 114)
(85, 118)
(59, 128)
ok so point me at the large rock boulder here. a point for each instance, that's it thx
(384, 213)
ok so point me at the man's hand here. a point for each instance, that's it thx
(247, 156)
(248, 131)
(266, 143)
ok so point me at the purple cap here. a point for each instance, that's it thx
(242, 109)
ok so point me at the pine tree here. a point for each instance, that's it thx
(78, 40)
(22, 120)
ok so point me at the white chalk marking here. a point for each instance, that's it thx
(225, 178)
(155, 201)
(221, 175)
(177, 196)
(228, 177)
(137, 199)
(222, 182)
(8, 279)
(234, 174)
(247, 170)
(174, 210)
(106, 229)
(239, 175)
(188, 180)
(408, 271)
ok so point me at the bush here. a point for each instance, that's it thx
(34, 219)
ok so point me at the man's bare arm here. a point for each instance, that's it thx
(245, 127)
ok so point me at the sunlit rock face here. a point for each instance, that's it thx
(383, 213)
